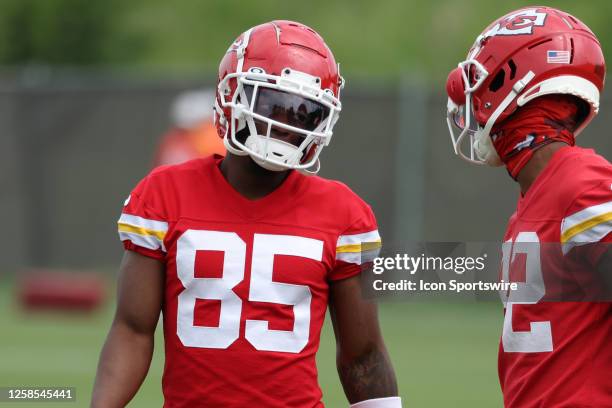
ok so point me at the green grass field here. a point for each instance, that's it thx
(444, 354)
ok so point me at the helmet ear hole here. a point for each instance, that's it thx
(498, 81)
(512, 66)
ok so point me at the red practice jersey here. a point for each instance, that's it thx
(558, 354)
(247, 281)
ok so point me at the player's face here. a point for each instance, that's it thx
(460, 120)
(289, 109)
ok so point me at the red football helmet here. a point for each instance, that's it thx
(527, 53)
(278, 96)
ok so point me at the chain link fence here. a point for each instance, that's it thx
(73, 146)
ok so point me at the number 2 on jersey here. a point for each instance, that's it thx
(262, 289)
(539, 337)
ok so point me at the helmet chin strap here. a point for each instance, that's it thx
(315, 169)
(273, 150)
(483, 145)
(263, 163)
(264, 146)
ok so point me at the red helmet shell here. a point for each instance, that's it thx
(455, 87)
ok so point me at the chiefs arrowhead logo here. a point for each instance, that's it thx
(519, 23)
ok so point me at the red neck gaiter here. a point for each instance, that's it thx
(544, 120)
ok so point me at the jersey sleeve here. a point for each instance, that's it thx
(588, 220)
(143, 225)
(357, 246)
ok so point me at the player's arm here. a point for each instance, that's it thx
(586, 230)
(604, 265)
(126, 355)
(363, 363)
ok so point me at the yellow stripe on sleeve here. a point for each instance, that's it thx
(128, 228)
(585, 226)
(364, 246)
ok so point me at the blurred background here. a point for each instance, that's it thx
(93, 94)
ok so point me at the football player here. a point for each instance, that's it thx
(529, 85)
(243, 254)
(193, 133)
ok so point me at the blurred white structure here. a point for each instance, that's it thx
(192, 107)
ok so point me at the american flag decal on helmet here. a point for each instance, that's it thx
(557, 57)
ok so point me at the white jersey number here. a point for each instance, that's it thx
(539, 337)
(262, 289)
